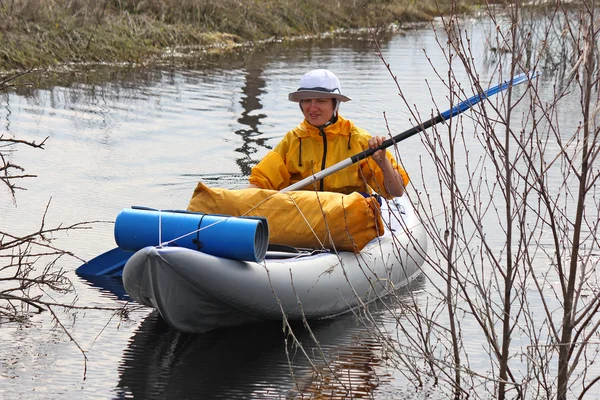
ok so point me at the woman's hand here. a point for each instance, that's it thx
(378, 156)
(391, 178)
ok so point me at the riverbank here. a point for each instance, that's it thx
(46, 34)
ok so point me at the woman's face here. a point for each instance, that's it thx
(317, 111)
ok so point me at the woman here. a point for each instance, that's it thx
(323, 139)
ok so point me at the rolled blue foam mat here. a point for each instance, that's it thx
(237, 238)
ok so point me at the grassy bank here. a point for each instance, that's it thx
(44, 33)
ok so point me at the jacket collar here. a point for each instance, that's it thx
(341, 127)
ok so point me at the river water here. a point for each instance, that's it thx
(122, 136)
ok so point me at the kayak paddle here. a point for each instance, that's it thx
(112, 262)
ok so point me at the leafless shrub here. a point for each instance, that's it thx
(30, 264)
(513, 271)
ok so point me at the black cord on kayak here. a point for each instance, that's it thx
(197, 241)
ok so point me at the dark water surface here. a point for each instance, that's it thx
(120, 137)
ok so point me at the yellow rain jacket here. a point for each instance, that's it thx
(303, 152)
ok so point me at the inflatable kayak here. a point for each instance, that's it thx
(196, 292)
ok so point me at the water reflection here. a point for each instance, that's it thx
(350, 374)
(107, 285)
(5, 99)
(249, 362)
(255, 361)
(254, 86)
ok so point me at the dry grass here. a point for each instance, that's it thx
(44, 33)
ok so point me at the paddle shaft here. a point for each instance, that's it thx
(461, 107)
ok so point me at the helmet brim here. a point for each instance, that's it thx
(316, 94)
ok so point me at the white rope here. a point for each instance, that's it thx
(225, 218)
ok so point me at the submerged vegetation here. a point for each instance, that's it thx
(37, 33)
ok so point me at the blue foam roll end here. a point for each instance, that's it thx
(237, 238)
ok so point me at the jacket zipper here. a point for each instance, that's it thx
(322, 133)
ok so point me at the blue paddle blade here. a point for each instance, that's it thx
(110, 263)
(465, 105)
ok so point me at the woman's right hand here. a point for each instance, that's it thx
(379, 156)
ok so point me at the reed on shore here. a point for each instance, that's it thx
(45, 33)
